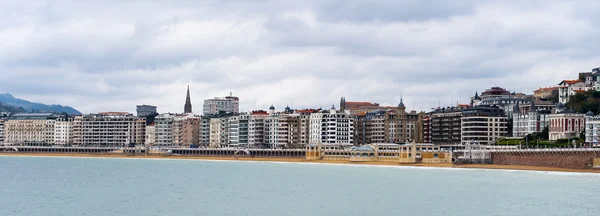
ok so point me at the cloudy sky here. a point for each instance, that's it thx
(111, 55)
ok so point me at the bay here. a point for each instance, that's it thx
(111, 186)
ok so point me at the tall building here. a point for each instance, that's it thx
(150, 135)
(63, 128)
(163, 129)
(566, 124)
(483, 124)
(187, 108)
(29, 128)
(109, 129)
(204, 130)
(332, 126)
(445, 126)
(186, 129)
(217, 104)
(238, 130)
(145, 110)
(592, 129)
(2, 120)
(256, 128)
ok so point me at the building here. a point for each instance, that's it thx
(566, 124)
(495, 92)
(427, 128)
(145, 110)
(277, 132)
(204, 130)
(29, 129)
(358, 107)
(592, 129)
(2, 120)
(256, 128)
(186, 129)
(226, 104)
(163, 129)
(591, 79)
(483, 124)
(545, 93)
(63, 127)
(529, 122)
(332, 126)
(507, 104)
(568, 88)
(150, 135)
(109, 129)
(238, 130)
(445, 126)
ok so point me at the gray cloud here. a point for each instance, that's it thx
(101, 56)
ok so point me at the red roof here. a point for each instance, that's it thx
(571, 82)
(545, 89)
(579, 91)
(360, 103)
(464, 105)
(307, 111)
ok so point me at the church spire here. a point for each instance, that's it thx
(188, 102)
(401, 105)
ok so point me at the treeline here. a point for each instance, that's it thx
(585, 102)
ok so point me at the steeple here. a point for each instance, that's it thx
(401, 104)
(187, 108)
(343, 104)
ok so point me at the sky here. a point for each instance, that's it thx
(113, 55)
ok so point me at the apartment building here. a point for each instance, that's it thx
(29, 129)
(2, 120)
(332, 126)
(109, 129)
(592, 129)
(163, 129)
(483, 124)
(529, 122)
(150, 135)
(445, 126)
(221, 104)
(186, 129)
(63, 127)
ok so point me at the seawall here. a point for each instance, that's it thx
(566, 159)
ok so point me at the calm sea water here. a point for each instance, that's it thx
(90, 186)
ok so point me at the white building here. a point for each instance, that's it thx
(256, 128)
(2, 131)
(566, 125)
(592, 129)
(150, 135)
(29, 128)
(525, 123)
(62, 131)
(483, 125)
(238, 130)
(331, 126)
(217, 104)
(163, 129)
(277, 130)
(109, 129)
(568, 88)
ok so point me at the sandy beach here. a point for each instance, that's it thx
(302, 160)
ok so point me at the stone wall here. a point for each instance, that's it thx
(570, 160)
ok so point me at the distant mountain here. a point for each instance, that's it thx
(11, 109)
(27, 106)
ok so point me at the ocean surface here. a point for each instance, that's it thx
(98, 186)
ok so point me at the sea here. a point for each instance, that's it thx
(116, 186)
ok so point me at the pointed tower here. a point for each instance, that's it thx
(343, 104)
(187, 108)
(401, 104)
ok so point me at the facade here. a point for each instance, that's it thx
(2, 120)
(109, 129)
(332, 126)
(238, 130)
(507, 104)
(545, 93)
(277, 130)
(483, 124)
(591, 79)
(568, 88)
(186, 130)
(256, 128)
(592, 129)
(495, 92)
(145, 110)
(29, 128)
(204, 130)
(427, 128)
(150, 135)
(525, 123)
(226, 104)
(163, 129)
(63, 127)
(566, 125)
(445, 126)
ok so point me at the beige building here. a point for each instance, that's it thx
(186, 129)
(29, 128)
(545, 92)
(109, 129)
(150, 135)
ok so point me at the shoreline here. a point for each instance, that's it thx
(302, 160)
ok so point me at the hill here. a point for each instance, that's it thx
(584, 102)
(11, 109)
(27, 106)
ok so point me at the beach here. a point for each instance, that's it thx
(302, 160)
